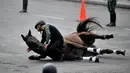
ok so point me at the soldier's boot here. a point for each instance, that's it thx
(25, 4)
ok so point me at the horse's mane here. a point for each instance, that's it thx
(86, 25)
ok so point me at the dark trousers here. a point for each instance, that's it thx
(113, 17)
(25, 4)
(111, 9)
(52, 49)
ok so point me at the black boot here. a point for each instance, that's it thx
(25, 4)
(109, 24)
(112, 25)
(34, 57)
(112, 19)
(23, 11)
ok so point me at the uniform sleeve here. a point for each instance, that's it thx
(43, 38)
(48, 34)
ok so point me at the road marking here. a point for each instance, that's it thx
(51, 17)
(127, 29)
(34, 14)
(3, 45)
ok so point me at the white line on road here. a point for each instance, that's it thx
(34, 14)
(45, 16)
(127, 29)
(52, 17)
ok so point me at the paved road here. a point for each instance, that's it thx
(62, 14)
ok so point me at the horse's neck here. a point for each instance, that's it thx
(32, 39)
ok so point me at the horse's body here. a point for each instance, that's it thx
(69, 49)
(76, 45)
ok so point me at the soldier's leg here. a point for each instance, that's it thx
(25, 4)
(113, 13)
(52, 50)
(113, 17)
(109, 9)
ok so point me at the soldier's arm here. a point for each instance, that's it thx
(43, 38)
(48, 34)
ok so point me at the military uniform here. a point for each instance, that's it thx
(111, 8)
(51, 33)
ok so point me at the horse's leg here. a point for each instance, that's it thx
(109, 51)
(104, 36)
(93, 49)
(75, 57)
(92, 58)
(95, 36)
(106, 51)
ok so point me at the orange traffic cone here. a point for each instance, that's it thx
(82, 11)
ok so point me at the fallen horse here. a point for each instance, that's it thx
(77, 46)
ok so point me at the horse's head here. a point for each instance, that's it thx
(27, 36)
(33, 43)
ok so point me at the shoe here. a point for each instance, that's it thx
(23, 11)
(34, 57)
(111, 25)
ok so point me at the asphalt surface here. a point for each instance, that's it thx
(62, 14)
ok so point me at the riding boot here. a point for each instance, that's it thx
(112, 19)
(34, 57)
(25, 4)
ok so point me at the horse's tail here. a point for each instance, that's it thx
(85, 25)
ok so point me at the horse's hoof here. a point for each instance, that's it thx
(95, 59)
(109, 36)
(123, 53)
(33, 57)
